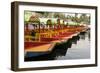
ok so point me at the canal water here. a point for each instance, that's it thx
(77, 47)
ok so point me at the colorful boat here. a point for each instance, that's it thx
(41, 38)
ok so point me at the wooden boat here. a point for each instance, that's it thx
(39, 40)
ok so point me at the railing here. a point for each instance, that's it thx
(51, 33)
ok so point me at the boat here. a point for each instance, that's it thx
(40, 38)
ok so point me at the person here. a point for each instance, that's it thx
(33, 34)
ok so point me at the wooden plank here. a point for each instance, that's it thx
(42, 48)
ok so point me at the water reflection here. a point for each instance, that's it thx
(77, 47)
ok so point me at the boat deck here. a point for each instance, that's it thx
(47, 46)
